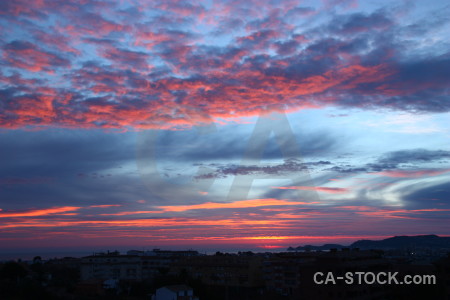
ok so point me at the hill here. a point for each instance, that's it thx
(396, 242)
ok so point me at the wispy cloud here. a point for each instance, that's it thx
(330, 190)
(40, 212)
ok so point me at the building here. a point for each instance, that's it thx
(111, 266)
(222, 270)
(138, 266)
(165, 253)
(174, 292)
(292, 274)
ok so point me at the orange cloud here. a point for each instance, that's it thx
(127, 213)
(237, 204)
(271, 246)
(221, 97)
(138, 223)
(39, 212)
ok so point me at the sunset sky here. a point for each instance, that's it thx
(222, 125)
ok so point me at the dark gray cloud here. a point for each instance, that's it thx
(392, 160)
(289, 166)
(395, 160)
(347, 169)
(361, 23)
(195, 145)
(414, 155)
(67, 167)
(59, 151)
(435, 197)
(431, 197)
(402, 159)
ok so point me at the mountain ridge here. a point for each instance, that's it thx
(395, 242)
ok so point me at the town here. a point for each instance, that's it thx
(189, 275)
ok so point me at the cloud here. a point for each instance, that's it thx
(75, 74)
(237, 204)
(361, 23)
(27, 56)
(126, 58)
(195, 146)
(9, 181)
(330, 190)
(289, 166)
(40, 212)
(45, 166)
(401, 163)
(347, 169)
(147, 68)
(412, 173)
(429, 197)
(414, 156)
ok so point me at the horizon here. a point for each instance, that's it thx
(221, 124)
(52, 253)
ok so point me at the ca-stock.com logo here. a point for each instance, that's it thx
(153, 152)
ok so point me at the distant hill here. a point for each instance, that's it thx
(396, 242)
(317, 248)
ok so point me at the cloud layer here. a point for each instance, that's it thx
(162, 64)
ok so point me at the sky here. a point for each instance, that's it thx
(222, 124)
